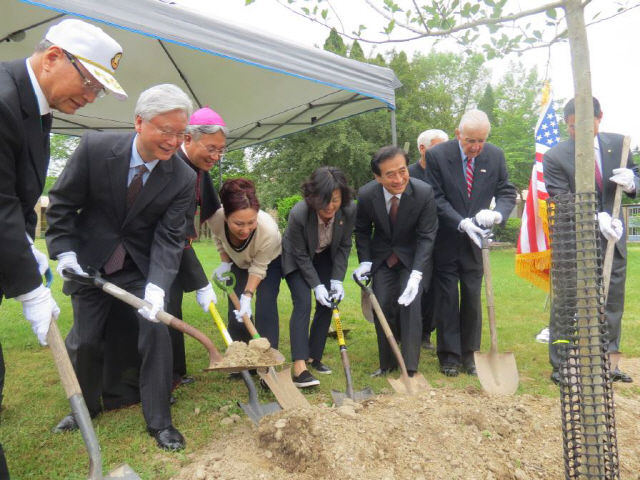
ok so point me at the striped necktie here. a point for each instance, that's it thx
(469, 175)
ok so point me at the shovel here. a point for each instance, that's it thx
(279, 383)
(254, 409)
(614, 357)
(79, 408)
(497, 372)
(338, 396)
(404, 384)
(93, 278)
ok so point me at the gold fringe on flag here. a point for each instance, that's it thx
(534, 267)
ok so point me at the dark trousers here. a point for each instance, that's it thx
(92, 309)
(305, 344)
(174, 307)
(427, 303)
(405, 322)
(458, 319)
(4, 470)
(613, 309)
(265, 311)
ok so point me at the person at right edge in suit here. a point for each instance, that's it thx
(466, 173)
(70, 68)
(396, 224)
(559, 177)
(315, 254)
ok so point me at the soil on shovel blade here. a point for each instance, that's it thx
(441, 434)
(257, 352)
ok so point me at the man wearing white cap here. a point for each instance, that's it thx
(72, 66)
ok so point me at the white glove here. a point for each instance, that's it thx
(155, 296)
(610, 228)
(475, 233)
(363, 270)
(413, 286)
(245, 308)
(38, 307)
(69, 260)
(625, 178)
(488, 218)
(338, 290)
(204, 297)
(223, 268)
(322, 296)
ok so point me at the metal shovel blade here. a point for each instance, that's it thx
(497, 372)
(410, 385)
(122, 471)
(283, 389)
(358, 396)
(255, 410)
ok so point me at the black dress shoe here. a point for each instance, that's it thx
(427, 345)
(168, 438)
(470, 369)
(555, 377)
(619, 376)
(450, 370)
(381, 372)
(67, 424)
(187, 380)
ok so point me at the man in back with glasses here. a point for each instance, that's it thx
(120, 206)
(70, 68)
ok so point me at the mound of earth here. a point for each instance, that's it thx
(440, 434)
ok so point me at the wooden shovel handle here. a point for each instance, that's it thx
(63, 363)
(166, 318)
(615, 213)
(488, 284)
(245, 318)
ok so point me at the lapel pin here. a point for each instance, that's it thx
(340, 222)
(609, 151)
(482, 170)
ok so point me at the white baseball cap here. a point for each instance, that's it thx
(98, 52)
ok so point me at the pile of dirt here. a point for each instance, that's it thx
(257, 353)
(440, 434)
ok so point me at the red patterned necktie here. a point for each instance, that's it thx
(393, 213)
(598, 175)
(116, 260)
(469, 175)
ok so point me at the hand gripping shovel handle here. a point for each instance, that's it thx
(236, 303)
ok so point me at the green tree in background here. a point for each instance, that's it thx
(488, 103)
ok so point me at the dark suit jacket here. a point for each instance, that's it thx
(414, 231)
(559, 168)
(300, 242)
(23, 170)
(445, 174)
(191, 274)
(87, 212)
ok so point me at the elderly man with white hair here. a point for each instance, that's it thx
(120, 206)
(426, 140)
(466, 174)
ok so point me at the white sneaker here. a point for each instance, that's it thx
(543, 336)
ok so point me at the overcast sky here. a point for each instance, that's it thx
(613, 47)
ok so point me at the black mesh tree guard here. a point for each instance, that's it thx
(588, 417)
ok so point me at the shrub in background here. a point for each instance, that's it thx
(510, 232)
(284, 207)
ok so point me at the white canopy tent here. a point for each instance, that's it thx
(264, 87)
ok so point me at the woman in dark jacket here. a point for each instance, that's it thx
(315, 254)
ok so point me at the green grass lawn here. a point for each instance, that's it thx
(35, 402)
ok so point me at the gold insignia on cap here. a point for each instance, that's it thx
(115, 61)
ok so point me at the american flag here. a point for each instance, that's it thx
(533, 256)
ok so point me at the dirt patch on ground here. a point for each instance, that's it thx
(441, 434)
(258, 353)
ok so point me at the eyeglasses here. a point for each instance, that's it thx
(169, 135)
(89, 86)
(214, 150)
